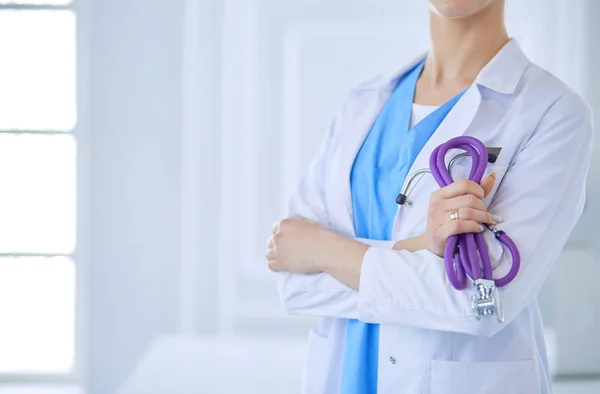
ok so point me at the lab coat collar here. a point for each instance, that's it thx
(502, 74)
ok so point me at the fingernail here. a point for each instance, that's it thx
(481, 228)
(497, 219)
(494, 174)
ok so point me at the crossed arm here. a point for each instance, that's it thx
(541, 198)
(303, 247)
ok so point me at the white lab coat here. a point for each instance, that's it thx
(430, 343)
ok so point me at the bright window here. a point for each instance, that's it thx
(37, 187)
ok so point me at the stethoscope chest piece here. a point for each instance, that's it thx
(487, 300)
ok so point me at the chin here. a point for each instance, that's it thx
(454, 9)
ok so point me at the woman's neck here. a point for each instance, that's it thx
(462, 47)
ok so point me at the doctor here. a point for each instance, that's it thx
(374, 271)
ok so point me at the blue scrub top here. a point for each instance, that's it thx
(377, 176)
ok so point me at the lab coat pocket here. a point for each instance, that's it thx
(514, 377)
(317, 364)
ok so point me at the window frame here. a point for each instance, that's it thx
(81, 134)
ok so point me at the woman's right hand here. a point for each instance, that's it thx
(464, 198)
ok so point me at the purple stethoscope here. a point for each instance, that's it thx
(467, 254)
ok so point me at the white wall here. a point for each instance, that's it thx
(572, 292)
(136, 109)
(286, 67)
(244, 97)
(592, 94)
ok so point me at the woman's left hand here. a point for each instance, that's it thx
(298, 246)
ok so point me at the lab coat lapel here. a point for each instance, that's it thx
(501, 75)
(455, 124)
(356, 125)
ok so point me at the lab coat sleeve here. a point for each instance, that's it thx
(320, 294)
(540, 199)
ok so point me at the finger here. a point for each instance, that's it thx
(271, 254)
(476, 215)
(275, 228)
(468, 200)
(487, 183)
(460, 188)
(455, 227)
(271, 242)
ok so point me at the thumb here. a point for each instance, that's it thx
(487, 183)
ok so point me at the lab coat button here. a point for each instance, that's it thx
(392, 360)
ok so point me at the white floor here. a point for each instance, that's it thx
(559, 388)
(49, 389)
(577, 387)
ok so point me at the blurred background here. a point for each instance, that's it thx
(146, 146)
